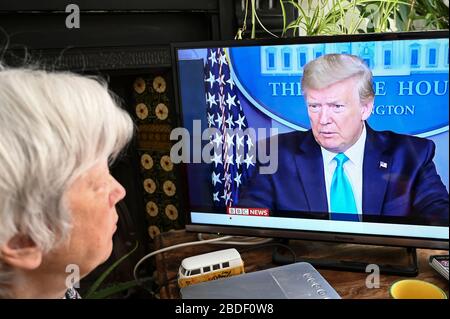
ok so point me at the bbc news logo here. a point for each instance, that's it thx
(248, 211)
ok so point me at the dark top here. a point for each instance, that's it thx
(400, 182)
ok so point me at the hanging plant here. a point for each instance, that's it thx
(329, 17)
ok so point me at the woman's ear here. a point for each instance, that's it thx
(21, 252)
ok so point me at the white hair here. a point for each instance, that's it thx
(329, 69)
(54, 126)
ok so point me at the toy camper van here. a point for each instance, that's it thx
(210, 266)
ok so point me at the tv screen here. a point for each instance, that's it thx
(341, 138)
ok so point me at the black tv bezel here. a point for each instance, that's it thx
(365, 239)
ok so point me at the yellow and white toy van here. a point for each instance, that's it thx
(210, 266)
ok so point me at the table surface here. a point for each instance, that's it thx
(349, 285)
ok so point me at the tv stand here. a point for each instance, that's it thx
(392, 263)
(348, 284)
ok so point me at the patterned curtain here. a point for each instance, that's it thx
(154, 116)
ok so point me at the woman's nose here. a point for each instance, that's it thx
(118, 192)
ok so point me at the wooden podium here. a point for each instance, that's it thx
(349, 285)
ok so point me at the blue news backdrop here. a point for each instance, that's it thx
(410, 82)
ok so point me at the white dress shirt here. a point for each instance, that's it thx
(353, 168)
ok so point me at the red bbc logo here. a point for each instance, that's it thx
(248, 211)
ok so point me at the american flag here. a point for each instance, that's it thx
(234, 151)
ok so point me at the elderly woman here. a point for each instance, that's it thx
(58, 133)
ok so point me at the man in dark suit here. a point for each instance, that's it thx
(341, 169)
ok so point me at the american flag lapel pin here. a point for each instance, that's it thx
(383, 164)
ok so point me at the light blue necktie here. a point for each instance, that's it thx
(343, 205)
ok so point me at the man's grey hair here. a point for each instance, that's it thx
(332, 68)
(54, 126)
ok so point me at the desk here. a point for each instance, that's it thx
(349, 285)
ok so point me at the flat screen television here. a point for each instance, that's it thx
(253, 166)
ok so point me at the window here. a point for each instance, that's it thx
(270, 59)
(195, 272)
(387, 58)
(432, 59)
(446, 53)
(216, 266)
(301, 59)
(225, 264)
(286, 57)
(319, 50)
(344, 48)
(206, 269)
(414, 55)
(366, 54)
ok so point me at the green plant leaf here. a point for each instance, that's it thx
(341, 16)
(283, 12)
(116, 288)
(265, 29)
(103, 276)
(253, 19)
